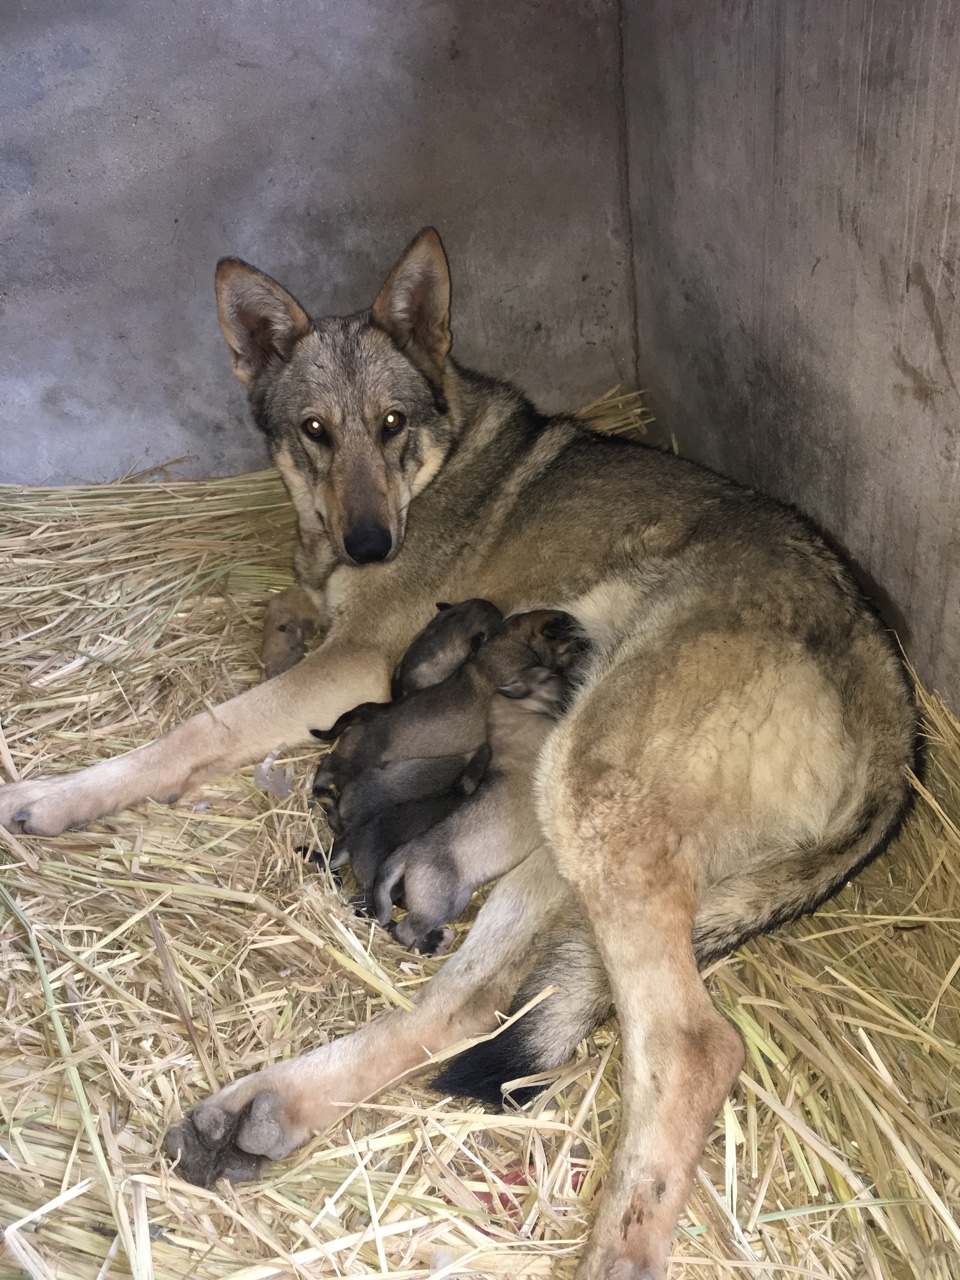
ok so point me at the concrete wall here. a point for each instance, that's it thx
(794, 192)
(140, 142)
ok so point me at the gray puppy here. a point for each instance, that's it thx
(445, 643)
(420, 744)
(484, 835)
(524, 661)
(355, 780)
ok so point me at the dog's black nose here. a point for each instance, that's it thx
(368, 544)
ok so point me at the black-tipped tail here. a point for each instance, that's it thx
(481, 1072)
(546, 1037)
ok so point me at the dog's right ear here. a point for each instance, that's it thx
(413, 307)
(259, 319)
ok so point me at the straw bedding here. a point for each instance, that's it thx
(164, 951)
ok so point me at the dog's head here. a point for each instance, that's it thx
(355, 409)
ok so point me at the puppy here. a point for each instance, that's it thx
(445, 643)
(484, 835)
(435, 654)
(418, 745)
(387, 805)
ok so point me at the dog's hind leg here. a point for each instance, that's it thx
(268, 1114)
(690, 765)
(680, 1058)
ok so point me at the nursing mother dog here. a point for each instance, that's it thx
(735, 751)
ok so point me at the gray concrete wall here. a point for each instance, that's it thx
(140, 142)
(794, 192)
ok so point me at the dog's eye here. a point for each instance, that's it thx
(313, 428)
(393, 423)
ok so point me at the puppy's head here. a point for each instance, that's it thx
(356, 410)
(445, 643)
(535, 689)
(546, 640)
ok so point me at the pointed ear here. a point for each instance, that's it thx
(259, 319)
(413, 307)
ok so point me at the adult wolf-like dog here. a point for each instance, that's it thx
(737, 749)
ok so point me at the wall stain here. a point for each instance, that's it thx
(918, 274)
(918, 384)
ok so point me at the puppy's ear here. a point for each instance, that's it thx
(442, 607)
(259, 319)
(515, 689)
(477, 642)
(559, 627)
(413, 307)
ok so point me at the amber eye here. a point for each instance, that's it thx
(313, 428)
(393, 423)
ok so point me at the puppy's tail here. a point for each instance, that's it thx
(547, 1036)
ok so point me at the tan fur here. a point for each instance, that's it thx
(737, 748)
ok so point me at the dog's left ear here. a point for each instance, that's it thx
(413, 307)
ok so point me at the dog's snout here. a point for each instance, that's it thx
(368, 544)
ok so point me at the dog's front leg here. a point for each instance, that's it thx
(311, 694)
(268, 1114)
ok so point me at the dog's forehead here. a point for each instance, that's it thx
(350, 359)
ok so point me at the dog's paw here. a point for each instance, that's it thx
(43, 807)
(212, 1142)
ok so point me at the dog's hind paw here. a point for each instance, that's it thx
(212, 1143)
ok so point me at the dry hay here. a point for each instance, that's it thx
(164, 951)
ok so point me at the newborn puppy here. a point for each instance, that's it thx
(387, 798)
(446, 720)
(482, 836)
(445, 643)
(368, 843)
(437, 652)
